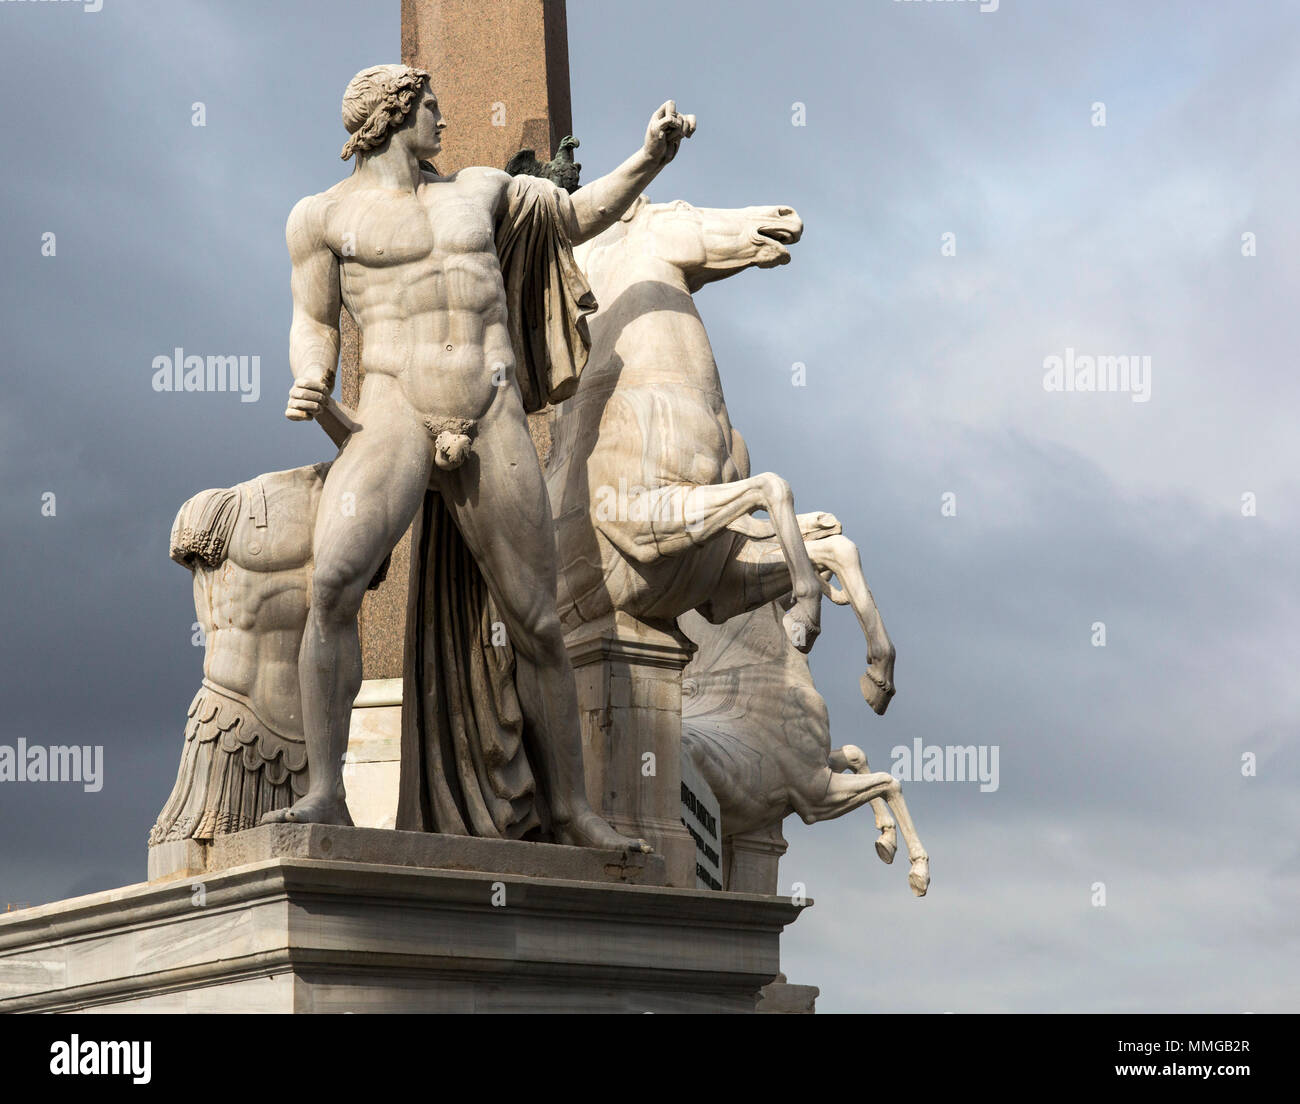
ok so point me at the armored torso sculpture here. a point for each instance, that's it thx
(249, 548)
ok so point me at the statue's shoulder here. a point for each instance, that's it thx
(479, 182)
(474, 176)
(201, 529)
(484, 173)
(276, 517)
(486, 181)
(311, 213)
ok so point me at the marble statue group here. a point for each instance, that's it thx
(483, 296)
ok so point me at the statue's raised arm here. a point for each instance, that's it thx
(601, 203)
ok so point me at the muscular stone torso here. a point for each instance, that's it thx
(420, 275)
(253, 606)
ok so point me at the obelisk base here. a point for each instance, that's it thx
(372, 766)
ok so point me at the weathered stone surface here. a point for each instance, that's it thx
(628, 676)
(431, 850)
(488, 52)
(381, 650)
(750, 860)
(176, 859)
(782, 998)
(372, 767)
(289, 934)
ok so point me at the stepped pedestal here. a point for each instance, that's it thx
(313, 918)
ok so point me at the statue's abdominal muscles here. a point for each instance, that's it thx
(425, 288)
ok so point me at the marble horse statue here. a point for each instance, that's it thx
(652, 495)
(645, 474)
(757, 730)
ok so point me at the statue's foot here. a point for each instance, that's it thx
(803, 624)
(312, 810)
(589, 830)
(877, 688)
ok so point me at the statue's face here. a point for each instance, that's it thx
(424, 125)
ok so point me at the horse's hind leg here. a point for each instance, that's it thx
(919, 876)
(845, 792)
(853, 758)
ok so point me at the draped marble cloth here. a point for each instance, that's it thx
(468, 766)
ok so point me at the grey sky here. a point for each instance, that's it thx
(1119, 764)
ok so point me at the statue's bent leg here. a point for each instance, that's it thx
(370, 497)
(500, 505)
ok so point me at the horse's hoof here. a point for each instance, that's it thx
(802, 625)
(876, 694)
(887, 846)
(919, 877)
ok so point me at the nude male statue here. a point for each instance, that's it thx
(412, 256)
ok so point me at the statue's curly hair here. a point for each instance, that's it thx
(375, 103)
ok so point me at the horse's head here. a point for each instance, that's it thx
(706, 243)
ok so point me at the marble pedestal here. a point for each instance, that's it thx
(310, 918)
(372, 766)
(750, 864)
(751, 861)
(629, 681)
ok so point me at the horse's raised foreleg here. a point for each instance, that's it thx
(683, 516)
(758, 575)
(839, 556)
